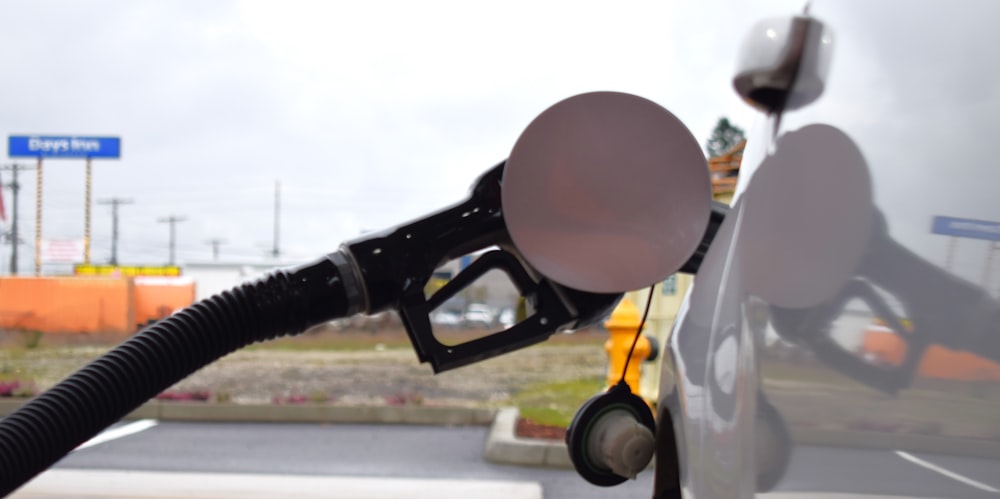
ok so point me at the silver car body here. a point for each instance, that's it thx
(850, 300)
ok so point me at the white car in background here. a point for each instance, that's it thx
(449, 319)
(478, 315)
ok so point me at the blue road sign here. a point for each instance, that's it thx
(47, 146)
(965, 227)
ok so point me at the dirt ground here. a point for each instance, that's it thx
(349, 367)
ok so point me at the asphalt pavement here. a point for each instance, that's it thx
(192, 459)
(437, 460)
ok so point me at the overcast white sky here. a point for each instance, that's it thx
(368, 113)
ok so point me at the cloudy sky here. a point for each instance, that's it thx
(368, 113)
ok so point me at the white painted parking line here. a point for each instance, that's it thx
(948, 473)
(60, 483)
(119, 432)
(827, 495)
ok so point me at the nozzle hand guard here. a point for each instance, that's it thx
(395, 266)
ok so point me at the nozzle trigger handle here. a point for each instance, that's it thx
(551, 312)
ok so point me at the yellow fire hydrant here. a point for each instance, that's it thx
(622, 326)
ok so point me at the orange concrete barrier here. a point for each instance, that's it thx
(65, 305)
(98, 305)
(158, 297)
(938, 362)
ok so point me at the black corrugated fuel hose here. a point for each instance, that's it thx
(54, 423)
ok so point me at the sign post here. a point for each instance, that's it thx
(62, 147)
(86, 212)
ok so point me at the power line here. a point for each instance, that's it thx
(172, 220)
(115, 203)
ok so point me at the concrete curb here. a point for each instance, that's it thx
(505, 447)
(301, 413)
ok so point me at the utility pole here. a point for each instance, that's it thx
(172, 220)
(115, 203)
(275, 252)
(88, 181)
(38, 217)
(15, 187)
(215, 247)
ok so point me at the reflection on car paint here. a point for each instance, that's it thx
(855, 317)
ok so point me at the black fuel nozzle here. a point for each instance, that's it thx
(394, 267)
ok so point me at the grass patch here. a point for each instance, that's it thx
(394, 338)
(555, 403)
(343, 343)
